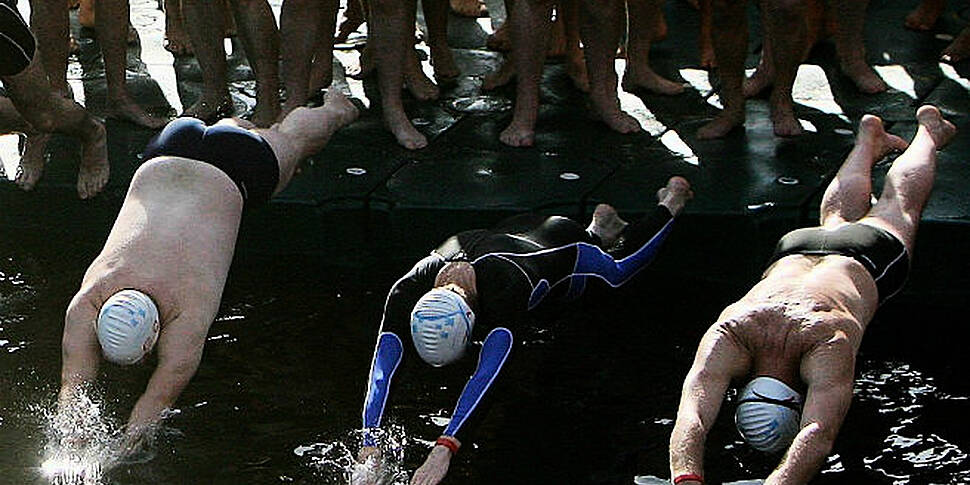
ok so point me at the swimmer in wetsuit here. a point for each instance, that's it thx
(161, 273)
(796, 333)
(476, 286)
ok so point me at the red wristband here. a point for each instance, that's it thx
(448, 443)
(688, 477)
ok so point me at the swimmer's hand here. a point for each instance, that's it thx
(434, 468)
(366, 472)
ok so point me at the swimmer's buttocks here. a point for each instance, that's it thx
(241, 154)
(16, 42)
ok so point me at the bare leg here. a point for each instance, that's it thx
(959, 49)
(353, 18)
(850, 46)
(644, 15)
(705, 40)
(305, 131)
(575, 60)
(910, 179)
(47, 112)
(321, 70)
(176, 40)
(786, 32)
(391, 38)
(111, 17)
(49, 22)
(499, 40)
(204, 22)
(436, 15)
(730, 46)
(300, 24)
(602, 29)
(530, 25)
(468, 8)
(847, 197)
(33, 160)
(257, 28)
(926, 15)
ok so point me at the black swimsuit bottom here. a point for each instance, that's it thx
(241, 154)
(882, 254)
(16, 41)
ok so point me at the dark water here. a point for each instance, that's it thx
(592, 399)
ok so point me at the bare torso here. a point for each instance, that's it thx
(173, 239)
(803, 305)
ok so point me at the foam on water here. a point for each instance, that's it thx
(336, 461)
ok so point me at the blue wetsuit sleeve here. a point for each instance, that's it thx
(470, 408)
(391, 346)
(636, 248)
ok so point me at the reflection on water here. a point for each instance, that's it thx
(336, 461)
(903, 395)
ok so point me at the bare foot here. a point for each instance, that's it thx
(443, 63)
(518, 134)
(645, 78)
(925, 16)
(873, 135)
(759, 81)
(339, 104)
(130, 111)
(506, 72)
(722, 124)
(33, 160)
(606, 108)
(959, 49)
(932, 121)
(675, 195)
(422, 88)
(661, 30)
(210, 111)
(468, 8)
(499, 40)
(406, 134)
(93, 171)
(606, 224)
(266, 113)
(864, 77)
(784, 122)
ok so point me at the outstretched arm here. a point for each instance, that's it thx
(179, 353)
(828, 372)
(80, 352)
(719, 358)
(491, 360)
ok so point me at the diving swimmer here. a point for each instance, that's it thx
(479, 283)
(794, 336)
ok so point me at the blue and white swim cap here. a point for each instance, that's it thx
(769, 414)
(441, 326)
(127, 327)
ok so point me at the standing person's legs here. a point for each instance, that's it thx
(49, 22)
(47, 112)
(260, 38)
(204, 23)
(575, 60)
(847, 198)
(850, 20)
(111, 18)
(646, 18)
(391, 29)
(730, 48)
(436, 16)
(301, 22)
(910, 179)
(529, 25)
(786, 30)
(602, 29)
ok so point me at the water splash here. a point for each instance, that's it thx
(337, 463)
(81, 441)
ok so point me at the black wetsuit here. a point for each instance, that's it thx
(881, 253)
(241, 154)
(525, 261)
(16, 41)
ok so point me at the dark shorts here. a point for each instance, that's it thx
(241, 154)
(16, 41)
(882, 254)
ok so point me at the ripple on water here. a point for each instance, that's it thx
(335, 462)
(902, 394)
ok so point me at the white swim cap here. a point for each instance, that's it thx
(769, 414)
(441, 325)
(127, 327)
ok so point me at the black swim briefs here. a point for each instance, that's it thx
(241, 154)
(16, 42)
(882, 254)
